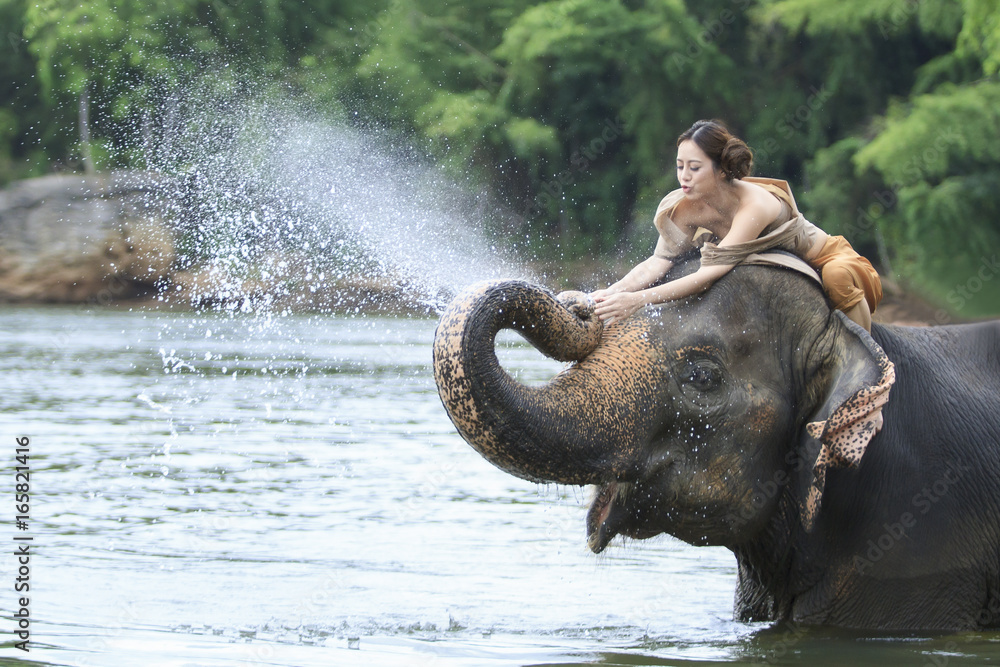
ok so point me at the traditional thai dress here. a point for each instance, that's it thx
(847, 276)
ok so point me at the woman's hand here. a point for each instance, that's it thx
(617, 305)
(602, 293)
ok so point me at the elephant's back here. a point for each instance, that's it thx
(946, 398)
(958, 357)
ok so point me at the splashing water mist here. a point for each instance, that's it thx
(284, 218)
(280, 205)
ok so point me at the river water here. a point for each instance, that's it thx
(212, 490)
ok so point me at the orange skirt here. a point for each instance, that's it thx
(847, 276)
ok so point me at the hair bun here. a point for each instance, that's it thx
(727, 151)
(736, 160)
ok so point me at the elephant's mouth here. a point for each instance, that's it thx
(610, 515)
(600, 530)
(607, 517)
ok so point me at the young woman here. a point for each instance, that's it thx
(717, 199)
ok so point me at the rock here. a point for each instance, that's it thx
(84, 238)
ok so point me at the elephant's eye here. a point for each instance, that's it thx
(702, 375)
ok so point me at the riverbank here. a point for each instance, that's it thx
(193, 291)
(118, 239)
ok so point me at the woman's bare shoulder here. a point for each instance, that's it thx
(758, 201)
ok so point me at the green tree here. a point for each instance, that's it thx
(881, 112)
(924, 169)
(21, 109)
(569, 106)
(105, 65)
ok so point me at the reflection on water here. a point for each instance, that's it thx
(203, 494)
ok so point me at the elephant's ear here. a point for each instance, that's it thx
(855, 378)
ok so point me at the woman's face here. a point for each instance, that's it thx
(696, 172)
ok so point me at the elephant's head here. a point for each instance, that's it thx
(690, 417)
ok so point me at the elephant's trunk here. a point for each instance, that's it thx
(583, 427)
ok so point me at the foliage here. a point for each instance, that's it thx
(980, 36)
(568, 107)
(122, 57)
(21, 107)
(928, 160)
(882, 113)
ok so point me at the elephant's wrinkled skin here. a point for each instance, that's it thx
(690, 419)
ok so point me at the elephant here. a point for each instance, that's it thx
(717, 419)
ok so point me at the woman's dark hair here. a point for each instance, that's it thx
(727, 151)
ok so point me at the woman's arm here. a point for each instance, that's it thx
(747, 225)
(643, 275)
(622, 304)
